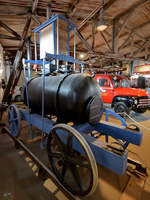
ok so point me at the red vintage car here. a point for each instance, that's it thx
(115, 90)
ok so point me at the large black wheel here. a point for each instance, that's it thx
(121, 109)
(140, 110)
(14, 120)
(72, 160)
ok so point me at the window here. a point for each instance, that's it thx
(104, 83)
(121, 83)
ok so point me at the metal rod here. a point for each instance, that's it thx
(48, 11)
(74, 51)
(29, 56)
(68, 43)
(82, 68)
(26, 83)
(43, 97)
(27, 98)
(57, 42)
(35, 48)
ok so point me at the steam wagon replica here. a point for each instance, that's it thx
(73, 148)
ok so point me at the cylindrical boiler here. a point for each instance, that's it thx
(73, 97)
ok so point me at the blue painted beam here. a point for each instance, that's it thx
(125, 134)
(53, 19)
(38, 62)
(63, 58)
(106, 128)
(116, 163)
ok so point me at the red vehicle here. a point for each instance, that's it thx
(115, 90)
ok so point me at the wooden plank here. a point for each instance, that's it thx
(94, 12)
(7, 37)
(72, 8)
(16, 61)
(130, 9)
(142, 25)
(105, 41)
(146, 52)
(96, 31)
(34, 6)
(36, 19)
(115, 36)
(84, 41)
(142, 47)
(125, 22)
(10, 30)
(132, 44)
(124, 43)
(93, 34)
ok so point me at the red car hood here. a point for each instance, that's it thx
(130, 92)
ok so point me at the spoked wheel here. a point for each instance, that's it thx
(72, 160)
(14, 120)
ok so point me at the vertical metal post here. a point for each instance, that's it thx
(115, 36)
(29, 56)
(48, 11)
(26, 80)
(131, 67)
(35, 48)
(57, 42)
(68, 42)
(106, 119)
(74, 51)
(82, 68)
(27, 99)
(43, 103)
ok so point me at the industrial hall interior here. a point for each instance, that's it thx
(75, 99)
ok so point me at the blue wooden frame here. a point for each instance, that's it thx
(109, 159)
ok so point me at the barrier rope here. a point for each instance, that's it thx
(138, 123)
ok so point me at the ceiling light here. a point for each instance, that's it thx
(101, 25)
(1, 71)
(81, 55)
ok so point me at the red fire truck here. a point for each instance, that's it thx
(116, 91)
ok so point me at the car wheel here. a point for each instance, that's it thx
(121, 109)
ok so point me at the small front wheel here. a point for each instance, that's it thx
(121, 108)
(14, 120)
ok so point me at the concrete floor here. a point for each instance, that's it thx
(18, 180)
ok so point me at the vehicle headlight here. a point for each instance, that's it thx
(135, 101)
